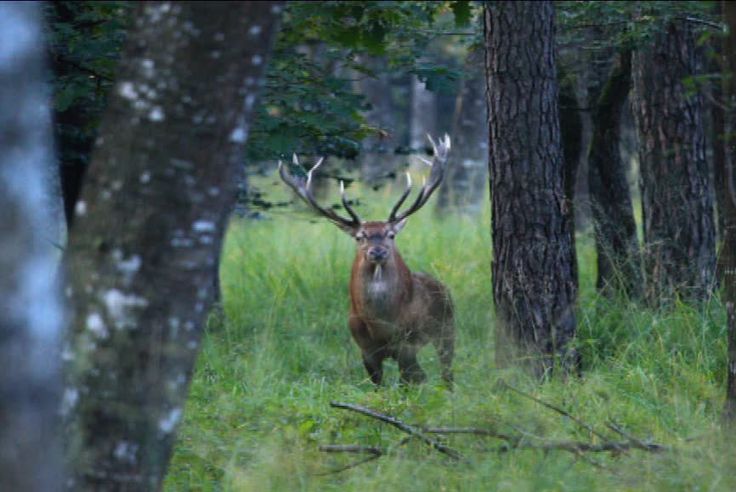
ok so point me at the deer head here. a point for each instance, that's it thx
(375, 238)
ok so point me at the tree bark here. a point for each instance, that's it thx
(462, 191)
(571, 128)
(727, 258)
(533, 278)
(30, 307)
(679, 229)
(149, 228)
(619, 263)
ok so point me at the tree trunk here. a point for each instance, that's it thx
(149, 228)
(571, 127)
(31, 314)
(619, 264)
(378, 160)
(423, 115)
(728, 211)
(718, 120)
(462, 191)
(679, 230)
(533, 278)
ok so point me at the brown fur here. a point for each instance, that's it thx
(395, 314)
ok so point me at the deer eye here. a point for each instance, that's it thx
(359, 237)
(391, 235)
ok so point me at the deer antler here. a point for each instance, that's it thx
(301, 184)
(438, 164)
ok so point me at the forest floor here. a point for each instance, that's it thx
(259, 406)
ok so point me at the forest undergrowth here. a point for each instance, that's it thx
(259, 405)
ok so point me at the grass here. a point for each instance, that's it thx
(259, 401)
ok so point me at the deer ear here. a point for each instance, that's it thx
(399, 225)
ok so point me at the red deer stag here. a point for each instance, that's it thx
(393, 312)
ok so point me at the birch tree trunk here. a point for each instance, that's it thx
(31, 314)
(149, 228)
(533, 278)
(679, 229)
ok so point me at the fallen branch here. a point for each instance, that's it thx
(513, 442)
(557, 409)
(350, 448)
(577, 447)
(469, 430)
(639, 444)
(409, 429)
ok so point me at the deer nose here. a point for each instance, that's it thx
(377, 254)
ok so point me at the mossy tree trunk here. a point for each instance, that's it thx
(148, 230)
(679, 229)
(533, 277)
(619, 261)
(30, 307)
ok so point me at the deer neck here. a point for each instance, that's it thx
(379, 291)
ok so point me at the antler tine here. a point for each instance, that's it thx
(434, 145)
(301, 185)
(407, 190)
(439, 162)
(346, 204)
(427, 162)
(314, 168)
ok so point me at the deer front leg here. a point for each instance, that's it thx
(409, 366)
(373, 363)
(372, 355)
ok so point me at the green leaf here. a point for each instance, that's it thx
(462, 12)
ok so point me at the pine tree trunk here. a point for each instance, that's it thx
(533, 278)
(619, 263)
(571, 127)
(679, 229)
(149, 228)
(30, 307)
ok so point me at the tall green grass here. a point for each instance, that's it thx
(259, 402)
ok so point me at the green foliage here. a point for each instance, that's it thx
(259, 404)
(625, 24)
(84, 40)
(311, 104)
(462, 12)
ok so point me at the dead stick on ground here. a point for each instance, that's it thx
(578, 447)
(409, 429)
(557, 409)
(635, 441)
(349, 448)
(469, 430)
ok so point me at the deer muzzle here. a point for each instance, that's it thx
(377, 255)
